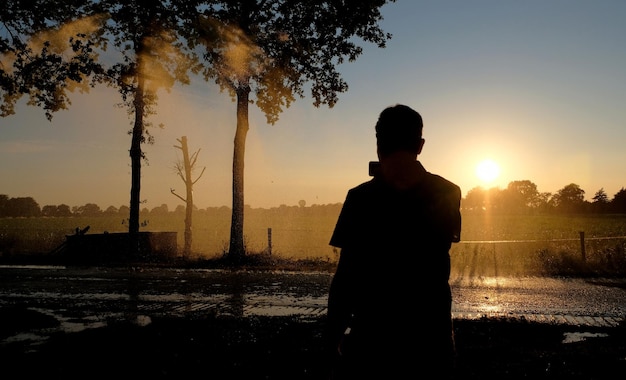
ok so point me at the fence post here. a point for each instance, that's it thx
(269, 240)
(582, 245)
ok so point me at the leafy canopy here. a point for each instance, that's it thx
(275, 48)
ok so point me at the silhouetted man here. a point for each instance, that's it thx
(389, 304)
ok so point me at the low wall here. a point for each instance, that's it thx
(115, 247)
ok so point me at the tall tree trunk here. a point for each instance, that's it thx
(135, 159)
(237, 250)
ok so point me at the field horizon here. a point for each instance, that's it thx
(491, 244)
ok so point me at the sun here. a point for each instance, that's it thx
(487, 171)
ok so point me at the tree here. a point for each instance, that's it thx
(124, 211)
(4, 203)
(474, 199)
(89, 209)
(64, 210)
(160, 210)
(600, 202)
(145, 34)
(185, 170)
(49, 210)
(544, 202)
(264, 52)
(618, 204)
(61, 210)
(570, 198)
(22, 207)
(520, 196)
(111, 210)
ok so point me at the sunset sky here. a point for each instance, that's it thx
(538, 87)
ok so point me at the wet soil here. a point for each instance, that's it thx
(223, 346)
(284, 347)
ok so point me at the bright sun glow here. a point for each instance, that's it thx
(487, 171)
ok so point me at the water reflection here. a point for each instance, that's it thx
(235, 303)
(86, 298)
(578, 336)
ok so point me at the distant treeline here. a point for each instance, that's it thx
(523, 197)
(519, 197)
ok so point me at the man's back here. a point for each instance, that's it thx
(390, 289)
(396, 243)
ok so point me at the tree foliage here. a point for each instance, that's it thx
(273, 48)
(570, 198)
(520, 195)
(47, 50)
(619, 201)
(18, 207)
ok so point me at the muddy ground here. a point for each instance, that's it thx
(260, 347)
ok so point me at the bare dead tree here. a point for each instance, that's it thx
(185, 170)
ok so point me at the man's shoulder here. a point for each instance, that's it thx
(363, 187)
(434, 181)
(441, 184)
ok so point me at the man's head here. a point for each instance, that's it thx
(399, 128)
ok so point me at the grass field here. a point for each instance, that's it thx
(490, 245)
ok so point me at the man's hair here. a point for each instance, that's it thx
(399, 128)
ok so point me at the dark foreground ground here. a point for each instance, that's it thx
(291, 348)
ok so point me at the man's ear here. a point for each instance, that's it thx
(419, 150)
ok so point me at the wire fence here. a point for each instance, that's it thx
(308, 243)
(539, 257)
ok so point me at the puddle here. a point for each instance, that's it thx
(274, 311)
(13, 266)
(572, 337)
(24, 336)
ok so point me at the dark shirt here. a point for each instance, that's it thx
(392, 277)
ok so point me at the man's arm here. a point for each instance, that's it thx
(455, 214)
(340, 299)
